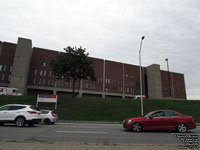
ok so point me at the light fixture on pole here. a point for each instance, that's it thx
(141, 76)
(168, 77)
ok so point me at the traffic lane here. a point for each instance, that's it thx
(89, 133)
(116, 134)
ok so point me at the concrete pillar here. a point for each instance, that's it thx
(1, 44)
(104, 74)
(81, 89)
(123, 82)
(21, 65)
(55, 88)
(154, 82)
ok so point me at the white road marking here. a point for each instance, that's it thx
(85, 132)
(83, 127)
(87, 124)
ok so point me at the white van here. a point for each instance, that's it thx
(9, 91)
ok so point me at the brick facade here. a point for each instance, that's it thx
(114, 79)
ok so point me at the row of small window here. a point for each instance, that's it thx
(126, 76)
(65, 83)
(119, 89)
(119, 82)
(166, 89)
(3, 78)
(4, 68)
(52, 82)
(42, 72)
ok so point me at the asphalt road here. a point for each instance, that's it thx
(89, 133)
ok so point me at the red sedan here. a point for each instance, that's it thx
(160, 120)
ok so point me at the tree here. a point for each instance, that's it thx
(73, 65)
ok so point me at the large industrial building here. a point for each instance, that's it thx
(28, 68)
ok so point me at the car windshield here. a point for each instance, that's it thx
(148, 114)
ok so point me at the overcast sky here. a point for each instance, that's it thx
(112, 29)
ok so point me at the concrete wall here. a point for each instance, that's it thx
(154, 82)
(19, 75)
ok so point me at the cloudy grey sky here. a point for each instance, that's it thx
(112, 29)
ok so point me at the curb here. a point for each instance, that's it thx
(97, 122)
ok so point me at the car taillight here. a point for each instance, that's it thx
(52, 114)
(32, 112)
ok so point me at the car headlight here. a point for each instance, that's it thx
(128, 121)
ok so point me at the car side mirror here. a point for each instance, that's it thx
(150, 117)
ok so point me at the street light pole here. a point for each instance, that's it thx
(168, 77)
(141, 76)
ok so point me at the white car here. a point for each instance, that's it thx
(139, 97)
(19, 114)
(49, 116)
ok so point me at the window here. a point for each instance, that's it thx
(126, 75)
(52, 82)
(40, 81)
(44, 64)
(35, 72)
(49, 73)
(49, 82)
(34, 80)
(44, 112)
(9, 76)
(70, 84)
(92, 86)
(2, 77)
(127, 90)
(45, 73)
(86, 85)
(62, 83)
(11, 67)
(4, 108)
(107, 80)
(0, 67)
(171, 114)
(67, 83)
(43, 81)
(58, 81)
(100, 80)
(16, 107)
(158, 114)
(41, 72)
(35, 108)
(4, 68)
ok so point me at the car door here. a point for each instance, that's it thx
(13, 112)
(4, 112)
(155, 121)
(171, 119)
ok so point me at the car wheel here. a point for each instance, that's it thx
(47, 121)
(136, 127)
(20, 121)
(182, 128)
(52, 123)
(1, 124)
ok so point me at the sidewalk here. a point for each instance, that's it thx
(20, 145)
